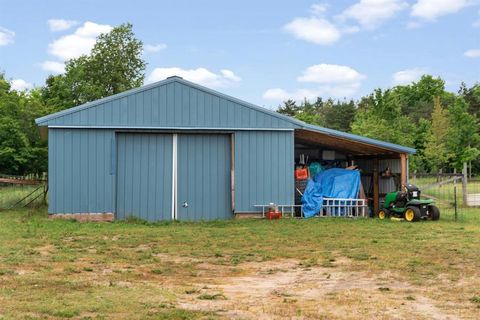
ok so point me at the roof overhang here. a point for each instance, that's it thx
(351, 145)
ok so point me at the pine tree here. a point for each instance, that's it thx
(436, 152)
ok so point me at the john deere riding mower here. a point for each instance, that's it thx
(408, 205)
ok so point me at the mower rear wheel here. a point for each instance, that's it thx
(412, 214)
(382, 214)
(434, 212)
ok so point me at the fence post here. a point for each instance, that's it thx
(45, 191)
(464, 184)
(455, 197)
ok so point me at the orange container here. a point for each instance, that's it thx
(301, 174)
(270, 215)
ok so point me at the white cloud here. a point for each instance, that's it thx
(53, 66)
(230, 75)
(329, 79)
(371, 13)
(61, 24)
(330, 73)
(432, 9)
(79, 43)
(201, 76)
(472, 53)
(407, 76)
(277, 94)
(319, 9)
(20, 85)
(155, 47)
(337, 91)
(6, 36)
(367, 14)
(314, 29)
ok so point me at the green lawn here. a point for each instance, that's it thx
(132, 270)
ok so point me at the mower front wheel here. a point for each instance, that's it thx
(412, 214)
(382, 214)
(434, 212)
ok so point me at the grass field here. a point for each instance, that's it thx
(10, 195)
(445, 193)
(316, 268)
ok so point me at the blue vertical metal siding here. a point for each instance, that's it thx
(204, 164)
(83, 164)
(264, 169)
(144, 176)
(79, 171)
(172, 104)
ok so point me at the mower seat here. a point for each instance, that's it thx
(401, 199)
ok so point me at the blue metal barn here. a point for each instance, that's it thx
(177, 150)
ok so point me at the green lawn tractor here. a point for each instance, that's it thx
(407, 204)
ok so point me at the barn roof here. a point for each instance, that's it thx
(185, 105)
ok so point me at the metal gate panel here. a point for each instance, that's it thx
(203, 177)
(144, 176)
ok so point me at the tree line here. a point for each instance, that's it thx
(441, 125)
(114, 65)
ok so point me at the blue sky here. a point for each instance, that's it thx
(259, 51)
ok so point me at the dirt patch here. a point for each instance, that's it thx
(176, 259)
(425, 307)
(46, 250)
(284, 289)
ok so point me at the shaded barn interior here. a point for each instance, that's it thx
(383, 169)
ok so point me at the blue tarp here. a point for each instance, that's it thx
(332, 183)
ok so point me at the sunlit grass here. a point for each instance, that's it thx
(129, 270)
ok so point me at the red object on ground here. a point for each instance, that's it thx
(301, 174)
(270, 215)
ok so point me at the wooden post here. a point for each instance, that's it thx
(464, 184)
(403, 169)
(376, 192)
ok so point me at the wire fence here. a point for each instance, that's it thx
(457, 196)
(22, 191)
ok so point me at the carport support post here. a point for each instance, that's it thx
(376, 193)
(403, 169)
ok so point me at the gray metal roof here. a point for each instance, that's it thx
(297, 124)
